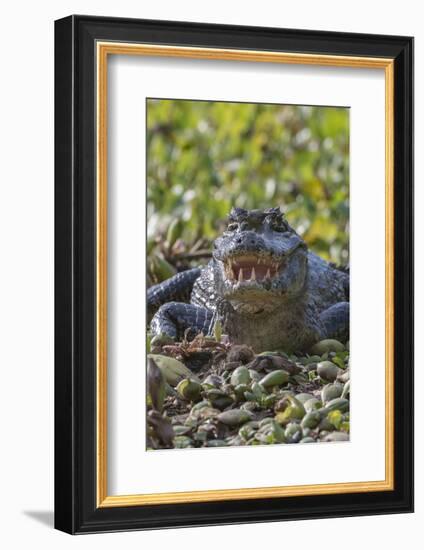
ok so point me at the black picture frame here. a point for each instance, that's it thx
(76, 510)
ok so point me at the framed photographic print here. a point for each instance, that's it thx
(234, 274)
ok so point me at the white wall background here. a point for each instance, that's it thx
(26, 275)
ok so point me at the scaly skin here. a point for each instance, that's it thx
(263, 285)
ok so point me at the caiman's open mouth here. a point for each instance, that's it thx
(251, 267)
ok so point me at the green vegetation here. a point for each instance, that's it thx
(205, 157)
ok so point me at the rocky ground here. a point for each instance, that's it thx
(209, 393)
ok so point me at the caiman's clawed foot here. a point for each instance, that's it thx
(179, 320)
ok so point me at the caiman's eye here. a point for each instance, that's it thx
(232, 226)
(280, 226)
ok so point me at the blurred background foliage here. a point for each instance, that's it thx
(204, 157)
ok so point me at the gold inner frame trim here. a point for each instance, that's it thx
(104, 49)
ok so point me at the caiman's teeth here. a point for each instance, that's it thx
(251, 268)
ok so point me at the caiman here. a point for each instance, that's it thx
(263, 285)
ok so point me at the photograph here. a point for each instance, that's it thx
(247, 274)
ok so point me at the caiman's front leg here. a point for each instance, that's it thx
(174, 318)
(336, 321)
(176, 289)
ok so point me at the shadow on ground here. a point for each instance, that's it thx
(46, 517)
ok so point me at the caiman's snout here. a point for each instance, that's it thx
(247, 242)
(255, 253)
(249, 259)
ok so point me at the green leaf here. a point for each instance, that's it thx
(335, 417)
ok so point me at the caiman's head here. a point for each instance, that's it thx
(260, 261)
